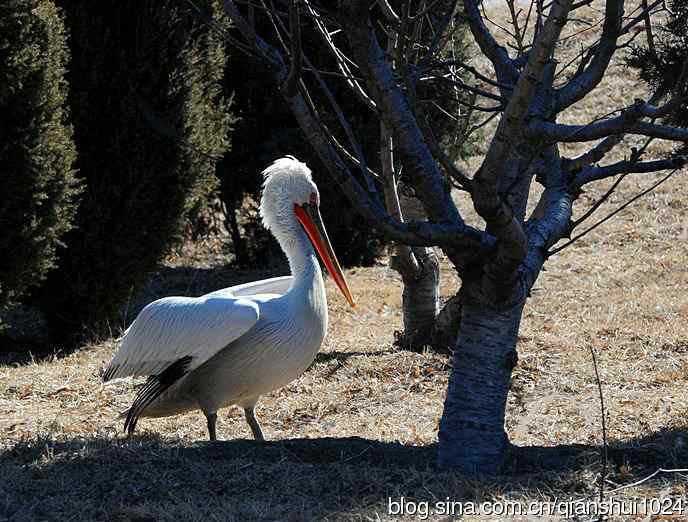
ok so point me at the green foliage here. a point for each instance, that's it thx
(37, 183)
(660, 64)
(150, 125)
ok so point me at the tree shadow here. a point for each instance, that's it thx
(150, 478)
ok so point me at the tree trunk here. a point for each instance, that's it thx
(471, 436)
(232, 224)
(446, 328)
(421, 299)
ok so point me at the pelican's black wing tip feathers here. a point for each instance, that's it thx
(153, 388)
(111, 370)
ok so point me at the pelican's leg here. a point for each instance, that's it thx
(212, 419)
(253, 422)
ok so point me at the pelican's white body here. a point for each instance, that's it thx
(244, 341)
(282, 343)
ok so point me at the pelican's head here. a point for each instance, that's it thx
(291, 203)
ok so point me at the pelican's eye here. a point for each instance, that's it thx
(313, 199)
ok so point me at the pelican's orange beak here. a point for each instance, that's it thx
(309, 216)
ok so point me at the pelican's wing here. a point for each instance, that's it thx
(274, 285)
(175, 328)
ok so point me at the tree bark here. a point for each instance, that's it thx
(471, 436)
(421, 300)
(446, 328)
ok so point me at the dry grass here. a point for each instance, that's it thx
(361, 424)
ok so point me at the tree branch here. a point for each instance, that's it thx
(441, 36)
(500, 219)
(447, 163)
(599, 202)
(360, 157)
(471, 241)
(597, 153)
(463, 65)
(519, 104)
(502, 63)
(612, 214)
(581, 84)
(627, 167)
(554, 222)
(645, 11)
(396, 113)
(558, 132)
(518, 32)
(388, 11)
(269, 54)
(353, 83)
(404, 261)
(460, 83)
(415, 233)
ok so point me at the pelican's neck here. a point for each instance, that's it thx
(308, 280)
(304, 264)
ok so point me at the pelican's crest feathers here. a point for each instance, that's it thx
(287, 181)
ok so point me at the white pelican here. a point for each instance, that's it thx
(236, 344)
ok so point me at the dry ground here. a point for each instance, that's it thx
(361, 424)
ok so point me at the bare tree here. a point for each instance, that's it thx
(527, 89)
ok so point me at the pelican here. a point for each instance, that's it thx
(234, 345)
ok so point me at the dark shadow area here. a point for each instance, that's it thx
(25, 338)
(342, 357)
(149, 478)
(193, 282)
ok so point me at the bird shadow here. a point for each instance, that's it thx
(148, 477)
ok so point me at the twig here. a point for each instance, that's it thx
(461, 84)
(603, 474)
(463, 65)
(441, 37)
(294, 26)
(607, 218)
(347, 129)
(527, 22)
(489, 20)
(599, 202)
(388, 11)
(480, 125)
(427, 9)
(207, 19)
(651, 475)
(646, 10)
(339, 57)
(517, 29)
